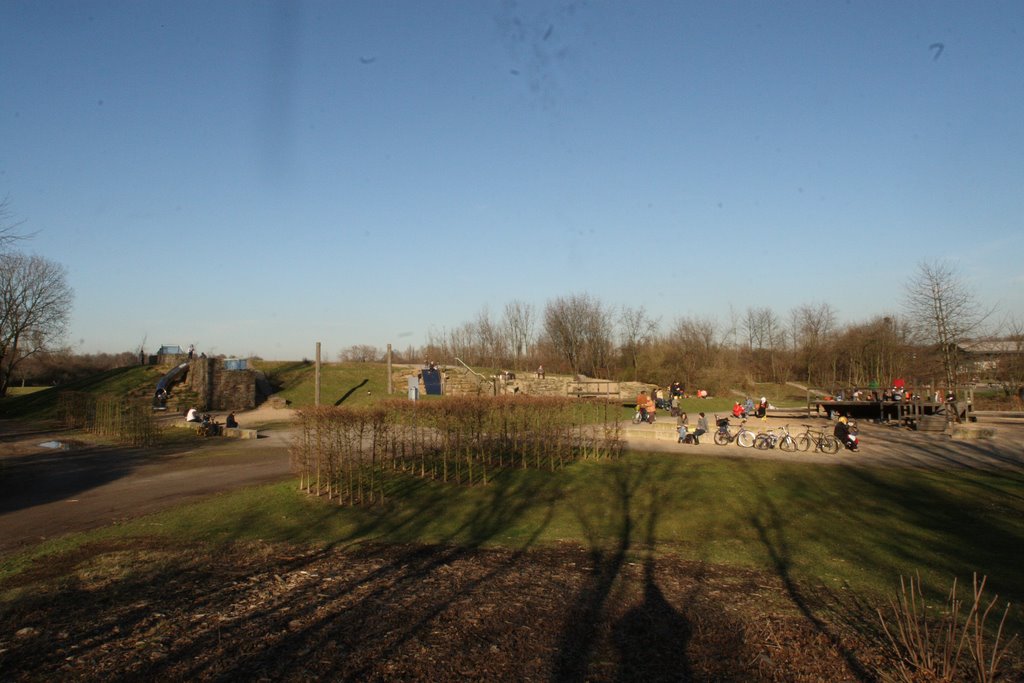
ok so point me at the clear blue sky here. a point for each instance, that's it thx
(253, 177)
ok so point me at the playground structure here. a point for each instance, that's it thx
(206, 384)
(917, 413)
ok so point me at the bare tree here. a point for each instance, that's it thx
(361, 353)
(579, 329)
(35, 304)
(694, 349)
(813, 329)
(765, 338)
(9, 234)
(518, 322)
(637, 330)
(489, 339)
(943, 312)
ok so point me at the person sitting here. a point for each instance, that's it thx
(702, 428)
(231, 422)
(652, 408)
(737, 410)
(683, 424)
(842, 433)
(641, 405)
(762, 408)
(209, 426)
(748, 406)
(192, 415)
(685, 435)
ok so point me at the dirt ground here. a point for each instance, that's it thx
(421, 614)
(128, 611)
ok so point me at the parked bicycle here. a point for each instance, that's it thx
(826, 443)
(724, 434)
(769, 439)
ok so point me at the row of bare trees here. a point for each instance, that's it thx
(351, 453)
(579, 334)
(129, 422)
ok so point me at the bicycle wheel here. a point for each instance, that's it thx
(762, 442)
(787, 443)
(830, 445)
(803, 442)
(721, 439)
(745, 438)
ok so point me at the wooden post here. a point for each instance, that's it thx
(316, 384)
(390, 387)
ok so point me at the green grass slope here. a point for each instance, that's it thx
(136, 380)
(349, 384)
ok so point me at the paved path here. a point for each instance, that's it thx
(880, 445)
(46, 493)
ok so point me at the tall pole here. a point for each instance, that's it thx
(389, 370)
(316, 390)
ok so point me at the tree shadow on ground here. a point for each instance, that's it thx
(348, 393)
(770, 526)
(651, 637)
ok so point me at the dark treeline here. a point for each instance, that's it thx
(54, 368)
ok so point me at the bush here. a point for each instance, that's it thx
(930, 648)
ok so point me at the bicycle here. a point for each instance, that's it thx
(643, 416)
(826, 443)
(724, 435)
(770, 439)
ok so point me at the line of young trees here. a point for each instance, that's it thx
(580, 334)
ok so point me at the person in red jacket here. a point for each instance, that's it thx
(737, 410)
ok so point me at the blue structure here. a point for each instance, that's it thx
(431, 381)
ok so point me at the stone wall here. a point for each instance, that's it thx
(219, 389)
(458, 381)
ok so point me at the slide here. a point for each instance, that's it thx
(167, 380)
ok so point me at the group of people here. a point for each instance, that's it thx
(207, 423)
(748, 409)
(686, 435)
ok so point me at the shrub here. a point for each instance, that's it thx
(930, 648)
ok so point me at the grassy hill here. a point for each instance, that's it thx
(349, 384)
(136, 380)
